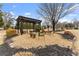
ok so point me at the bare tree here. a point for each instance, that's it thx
(76, 23)
(54, 11)
(8, 19)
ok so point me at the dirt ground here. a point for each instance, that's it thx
(76, 43)
(25, 41)
(2, 34)
(5, 50)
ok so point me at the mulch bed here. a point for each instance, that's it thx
(5, 50)
(52, 50)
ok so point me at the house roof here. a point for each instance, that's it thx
(27, 19)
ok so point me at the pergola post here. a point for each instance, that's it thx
(21, 28)
(40, 25)
(17, 26)
(33, 26)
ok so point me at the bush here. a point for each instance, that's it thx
(76, 28)
(68, 33)
(10, 32)
(1, 22)
(37, 28)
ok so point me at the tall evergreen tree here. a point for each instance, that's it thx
(1, 14)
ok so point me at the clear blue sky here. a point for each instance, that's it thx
(30, 10)
(22, 9)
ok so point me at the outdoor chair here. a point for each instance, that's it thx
(41, 33)
(32, 34)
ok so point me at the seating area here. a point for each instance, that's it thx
(34, 31)
(22, 19)
(39, 29)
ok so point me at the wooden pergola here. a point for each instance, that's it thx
(22, 19)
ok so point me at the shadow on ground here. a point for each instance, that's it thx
(52, 50)
(5, 50)
(65, 36)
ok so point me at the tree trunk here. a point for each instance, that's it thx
(53, 24)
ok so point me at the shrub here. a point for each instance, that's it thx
(10, 32)
(37, 28)
(68, 33)
(76, 28)
(1, 22)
